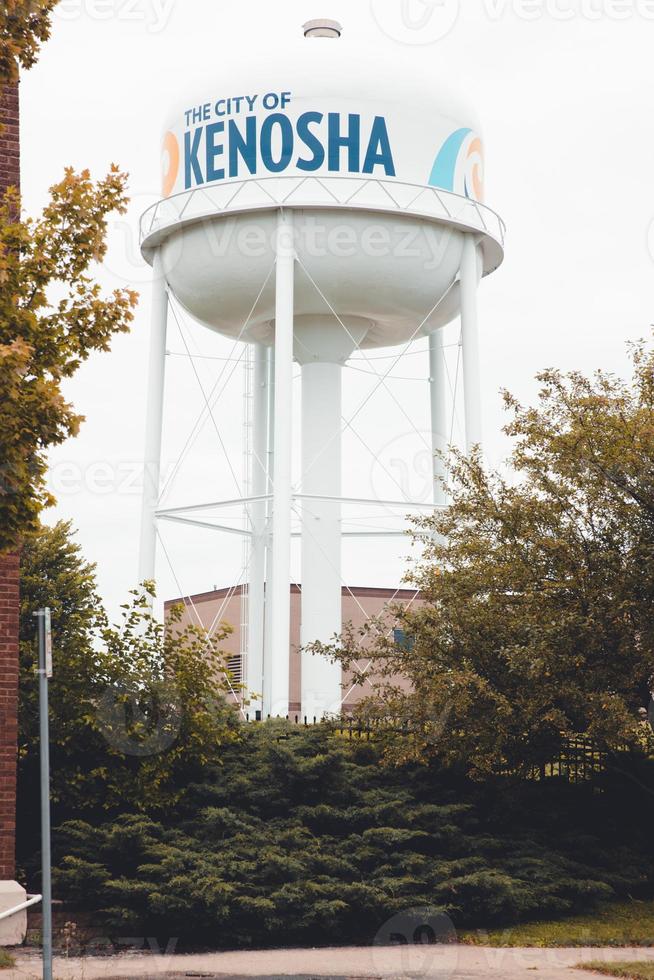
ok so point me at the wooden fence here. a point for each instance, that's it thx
(579, 758)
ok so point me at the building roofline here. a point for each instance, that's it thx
(360, 591)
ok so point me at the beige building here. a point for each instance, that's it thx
(226, 605)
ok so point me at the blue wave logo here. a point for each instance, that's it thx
(459, 165)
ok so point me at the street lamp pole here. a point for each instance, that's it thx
(45, 673)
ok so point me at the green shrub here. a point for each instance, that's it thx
(303, 838)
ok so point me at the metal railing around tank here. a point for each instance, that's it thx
(325, 193)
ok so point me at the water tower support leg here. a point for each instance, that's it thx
(153, 422)
(470, 341)
(270, 463)
(439, 435)
(256, 594)
(321, 535)
(276, 685)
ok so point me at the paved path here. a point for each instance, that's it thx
(354, 963)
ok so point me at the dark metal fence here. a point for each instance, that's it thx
(581, 759)
(578, 760)
(354, 728)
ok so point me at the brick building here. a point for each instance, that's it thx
(12, 930)
(360, 604)
(9, 138)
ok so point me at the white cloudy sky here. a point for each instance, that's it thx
(565, 93)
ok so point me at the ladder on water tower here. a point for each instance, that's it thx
(248, 396)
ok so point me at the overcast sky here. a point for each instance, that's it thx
(564, 91)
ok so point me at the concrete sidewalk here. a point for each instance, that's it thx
(437, 962)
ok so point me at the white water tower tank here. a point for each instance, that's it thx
(316, 202)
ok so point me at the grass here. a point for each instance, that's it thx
(617, 924)
(6, 960)
(631, 971)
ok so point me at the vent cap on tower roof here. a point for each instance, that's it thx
(322, 28)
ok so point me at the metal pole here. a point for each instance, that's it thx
(256, 595)
(46, 882)
(322, 613)
(153, 423)
(277, 687)
(270, 464)
(470, 339)
(439, 434)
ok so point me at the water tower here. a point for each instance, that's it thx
(266, 168)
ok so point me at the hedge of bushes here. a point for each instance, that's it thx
(300, 837)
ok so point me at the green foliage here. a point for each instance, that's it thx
(538, 587)
(629, 971)
(52, 313)
(52, 317)
(24, 26)
(134, 709)
(54, 574)
(171, 820)
(302, 837)
(7, 961)
(629, 923)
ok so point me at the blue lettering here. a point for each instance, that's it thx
(192, 169)
(280, 143)
(352, 142)
(379, 152)
(243, 147)
(286, 129)
(311, 141)
(214, 151)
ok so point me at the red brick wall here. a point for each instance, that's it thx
(9, 145)
(9, 573)
(9, 564)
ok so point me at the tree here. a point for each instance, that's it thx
(538, 586)
(55, 574)
(52, 313)
(24, 26)
(52, 317)
(136, 709)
